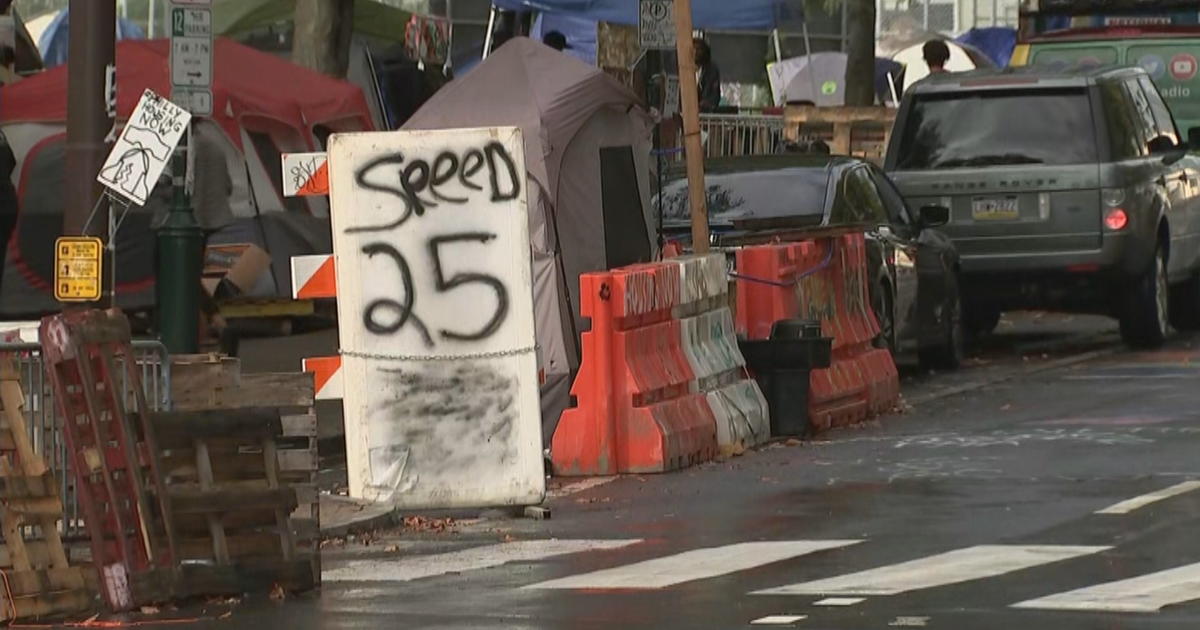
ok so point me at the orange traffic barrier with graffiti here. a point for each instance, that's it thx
(825, 280)
(662, 384)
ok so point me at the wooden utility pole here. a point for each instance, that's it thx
(321, 39)
(689, 100)
(92, 36)
(860, 56)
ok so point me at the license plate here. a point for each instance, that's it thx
(1005, 209)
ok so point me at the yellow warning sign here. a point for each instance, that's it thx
(78, 267)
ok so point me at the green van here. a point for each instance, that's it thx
(1173, 62)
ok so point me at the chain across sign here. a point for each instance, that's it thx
(435, 304)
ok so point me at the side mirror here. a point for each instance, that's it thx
(934, 216)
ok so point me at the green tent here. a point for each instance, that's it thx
(233, 18)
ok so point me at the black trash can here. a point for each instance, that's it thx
(781, 365)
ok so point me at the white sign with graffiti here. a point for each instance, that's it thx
(435, 304)
(144, 148)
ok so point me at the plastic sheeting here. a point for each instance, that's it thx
(996, 42)
(712, 14)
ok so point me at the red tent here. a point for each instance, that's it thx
(246, 82)
(262, 106)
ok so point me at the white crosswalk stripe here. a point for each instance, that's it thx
(1146, 593)
(952, 567)
(697, 564)
(1127, 506)
(403, 569)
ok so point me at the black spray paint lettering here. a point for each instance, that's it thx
(405, 311)
(419, 183)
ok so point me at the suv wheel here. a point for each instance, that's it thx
(1185, 304)
(948, 355)
(1144, 322)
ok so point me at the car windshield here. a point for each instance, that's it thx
(751, 194)
(972, 129)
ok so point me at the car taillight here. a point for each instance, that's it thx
(1116, 219)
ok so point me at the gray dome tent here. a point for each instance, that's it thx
(587, 156)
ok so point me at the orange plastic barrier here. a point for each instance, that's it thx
(635, 409)
(826, 280)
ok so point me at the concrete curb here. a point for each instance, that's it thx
(343, 516)
(1001, 378)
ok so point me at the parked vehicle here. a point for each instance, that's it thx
(1161, 36)
(1068, 190)
(913, 266)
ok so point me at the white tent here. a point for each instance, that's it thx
(577, 123)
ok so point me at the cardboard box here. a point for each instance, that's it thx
(233, 269)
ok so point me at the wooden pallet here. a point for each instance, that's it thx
(232, 507)
(859, 131)
(214, 382)
(38, 579)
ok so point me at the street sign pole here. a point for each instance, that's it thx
(93, 38)
(180, 237)
(689, 99)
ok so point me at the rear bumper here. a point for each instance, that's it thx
(1088, 281)
(1117, 253)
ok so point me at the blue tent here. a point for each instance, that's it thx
(997, 42)
(711, 14)
(55, 40)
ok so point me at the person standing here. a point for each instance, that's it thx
(936, 54)
(708, 77)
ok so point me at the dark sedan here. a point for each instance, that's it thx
(914, 267)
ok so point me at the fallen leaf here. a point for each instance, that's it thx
(277, 593)
(392, 548)
(508, 538)
(150, 610)
(793, 442)
(225, 615)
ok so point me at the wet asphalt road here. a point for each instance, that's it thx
(1026, 460)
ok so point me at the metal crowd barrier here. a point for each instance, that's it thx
(729, 135)
(45, 421)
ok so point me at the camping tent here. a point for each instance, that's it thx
(795, 79)
(262, 106)
(577, 123)
(54, 40)
(997, 42)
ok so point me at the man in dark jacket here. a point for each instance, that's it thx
(8, 200)
(708, 77)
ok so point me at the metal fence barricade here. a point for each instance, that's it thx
(45, 423)
(729, 135)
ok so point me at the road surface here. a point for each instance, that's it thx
(1058, 493)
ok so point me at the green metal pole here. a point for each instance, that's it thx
(180, 257)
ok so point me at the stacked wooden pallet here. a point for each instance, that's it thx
(231, 507)
(37, 578)
(859, 131)
(212, 382)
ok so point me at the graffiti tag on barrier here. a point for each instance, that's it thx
(817, 299)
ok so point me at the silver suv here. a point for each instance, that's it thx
(1067, 190)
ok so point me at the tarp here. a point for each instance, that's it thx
(55, 41)
(237, 17)
(263, 106)
(997, 42)
(711, 14)
(568, 113)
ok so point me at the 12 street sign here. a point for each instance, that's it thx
(191, 56)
